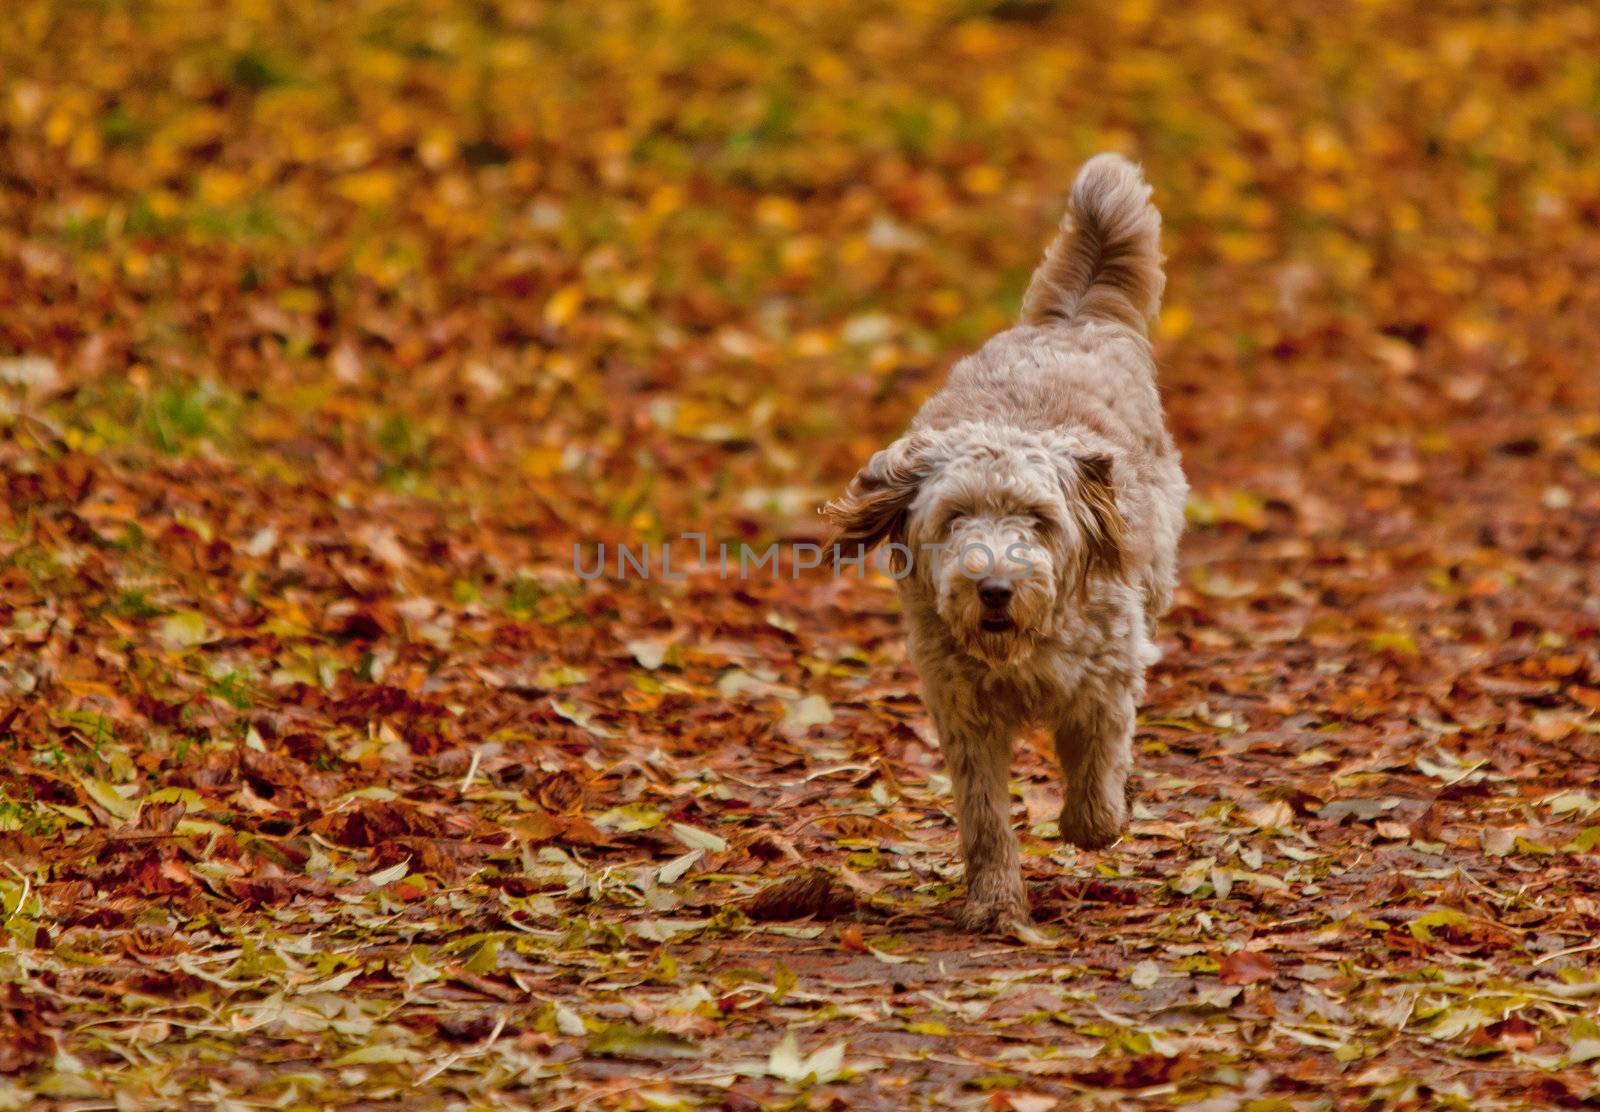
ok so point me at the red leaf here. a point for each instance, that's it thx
(1246, 968)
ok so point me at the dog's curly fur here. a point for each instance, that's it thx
(1044, 469)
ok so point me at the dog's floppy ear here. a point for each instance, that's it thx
(874, 505)
(1093, 503)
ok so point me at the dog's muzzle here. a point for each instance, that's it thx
(994, 592)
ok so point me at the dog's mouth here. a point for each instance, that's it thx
(996, 623)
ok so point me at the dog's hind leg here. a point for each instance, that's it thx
(1094, 740)
(977, 751)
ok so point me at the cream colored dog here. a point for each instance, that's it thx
(1040, 499)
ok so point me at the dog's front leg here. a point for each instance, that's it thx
(977, 752)
(1094, 740)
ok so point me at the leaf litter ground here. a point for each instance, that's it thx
(331, 328)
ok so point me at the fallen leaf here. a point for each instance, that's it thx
(1245, 967)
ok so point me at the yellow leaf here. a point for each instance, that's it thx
(220, 188)
(373, 188)
(778, 212)
(107, 796)
(982, 180)
(564, 305)
(183, 630)
(378, 1054)
(541, 463)
(1175, 320)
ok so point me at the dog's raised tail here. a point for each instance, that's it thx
(1105, 263)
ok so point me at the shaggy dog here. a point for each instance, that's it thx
(1034, 508)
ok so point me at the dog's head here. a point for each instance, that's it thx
(1003, 527)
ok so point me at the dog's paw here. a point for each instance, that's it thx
(993, 916)
(1091, 831)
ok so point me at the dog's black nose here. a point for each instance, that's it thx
(994, 592)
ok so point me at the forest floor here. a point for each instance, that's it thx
(328, 330)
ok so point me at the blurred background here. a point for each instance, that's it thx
(647, 267)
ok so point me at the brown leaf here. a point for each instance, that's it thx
(159, 818)
(24, 1040)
